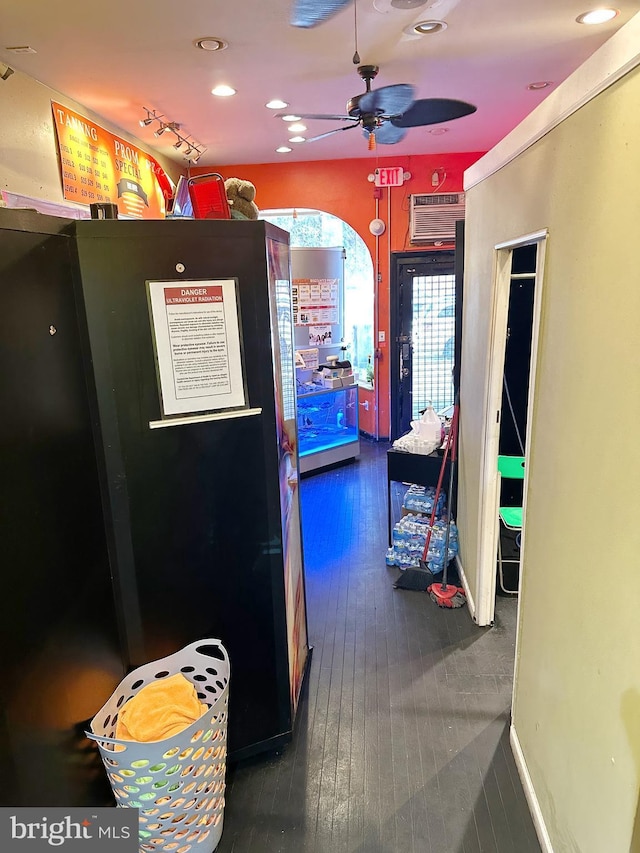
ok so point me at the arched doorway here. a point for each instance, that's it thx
(317, 229)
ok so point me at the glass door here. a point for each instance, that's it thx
(423, 333)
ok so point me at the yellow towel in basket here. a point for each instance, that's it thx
(160, 710)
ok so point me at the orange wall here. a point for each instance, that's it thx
(341, 187)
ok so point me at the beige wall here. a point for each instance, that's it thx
(28, 151)
(577, 691)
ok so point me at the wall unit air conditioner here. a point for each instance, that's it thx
(433, 216)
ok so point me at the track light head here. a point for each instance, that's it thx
(150, 117)
(177, 144)
(160, 130)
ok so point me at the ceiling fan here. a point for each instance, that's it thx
(308, 13)
(385, 114)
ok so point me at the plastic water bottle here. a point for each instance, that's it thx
(431, 426)
(435, 555)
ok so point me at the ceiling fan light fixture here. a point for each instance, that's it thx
(426, 28)
(284, 149)
(541, 84)
(385, 114)
(297, 139)
(597, 16)
(276, 104)
(223, 91)
(211, 43)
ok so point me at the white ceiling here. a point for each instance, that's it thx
(117, 57)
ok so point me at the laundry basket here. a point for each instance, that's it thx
(177, 783)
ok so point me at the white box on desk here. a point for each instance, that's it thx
(332, 382)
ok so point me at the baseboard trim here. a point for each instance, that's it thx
(465, 585)
(272, 744)
(530, 793)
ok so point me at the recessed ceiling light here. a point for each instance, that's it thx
(438, 131)
(297, 139)
(597, 16)
(223, 91)
(541, 84)
(284, 149)
(211, 43)
(297, 128)
(290, 118)
(426, 28)
(276, 104)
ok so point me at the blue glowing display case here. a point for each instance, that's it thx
(328, 429)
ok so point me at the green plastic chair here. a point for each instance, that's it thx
(512, 468)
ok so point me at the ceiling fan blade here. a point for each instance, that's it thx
(330, 132)
(309, 13)
(432, 111)
(317, 115)
(390, 100)
(387, 134)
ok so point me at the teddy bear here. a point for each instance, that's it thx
(241, 196)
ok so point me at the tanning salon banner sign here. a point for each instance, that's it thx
(97, 166)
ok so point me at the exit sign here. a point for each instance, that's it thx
(390, 176)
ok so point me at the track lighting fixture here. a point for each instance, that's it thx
(152, 116)
(193, 150)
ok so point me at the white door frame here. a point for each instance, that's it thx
(489, 495)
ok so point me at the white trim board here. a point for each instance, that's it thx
(200, 419)
(465, 585)
(615, 58)
(530, 793)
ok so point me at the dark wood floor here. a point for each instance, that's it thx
(401, 743)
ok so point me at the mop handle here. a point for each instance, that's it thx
(437, 494)
(453, 429)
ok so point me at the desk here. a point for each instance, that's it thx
(415, 468)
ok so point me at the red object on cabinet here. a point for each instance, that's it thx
(209, 197)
